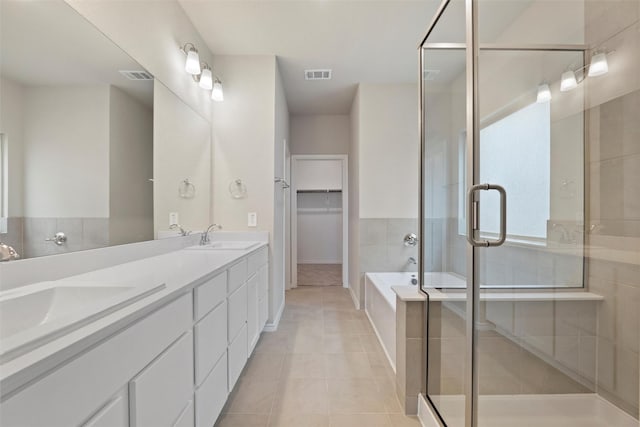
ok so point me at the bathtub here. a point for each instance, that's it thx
(380, 302)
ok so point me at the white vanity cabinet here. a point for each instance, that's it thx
(174, 367)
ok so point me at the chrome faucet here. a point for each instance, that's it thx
(7, 253)
(183, 232)
(204, 238)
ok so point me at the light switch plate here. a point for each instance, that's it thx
(252, 219)
(173, 218)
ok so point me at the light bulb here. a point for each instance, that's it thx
(216, 93)
(192, 65)
(599, 65)
(568, 81)
(206, 78)
(544, 93)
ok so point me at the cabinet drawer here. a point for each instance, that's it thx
(237, 311)
(186, 416)
(212, 395)
(237, 275)
(209, 294)
(210, 336)
(113, 414)
(257, 260)
(160, 392)
(237, 355)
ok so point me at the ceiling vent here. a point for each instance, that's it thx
(136, 75)
(430, 74)
(317, 74)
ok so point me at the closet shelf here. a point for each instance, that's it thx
(319, 210)
(319, 191)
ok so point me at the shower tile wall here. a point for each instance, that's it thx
(614, 211)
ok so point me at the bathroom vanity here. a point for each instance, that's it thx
(169, 358)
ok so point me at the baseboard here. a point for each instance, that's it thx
(425, 414)
(356, 301)
(273, 326)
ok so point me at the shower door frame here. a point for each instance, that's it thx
(472, 177)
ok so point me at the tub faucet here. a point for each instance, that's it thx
(7, 253)
(204, 238)
(412, 261)
(183, 232)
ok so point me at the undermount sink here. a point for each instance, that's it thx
(227, 245)
(33, 315)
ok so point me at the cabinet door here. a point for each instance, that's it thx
(237, 311)
(237, 357)
(253, 314)
(212, 395)
(210, 340)
(113, 414)
(186, 418)
(161, 391)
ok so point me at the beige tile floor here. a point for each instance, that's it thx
(319, 274)
(323, 368)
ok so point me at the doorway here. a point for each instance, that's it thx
(319, 220)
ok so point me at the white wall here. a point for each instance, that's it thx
(130, 168)
(11, 124)
(281, 140)
(354, 198)
(151, 32)
(181, 150)
(320, 134)
(66, 145)
(388, 150)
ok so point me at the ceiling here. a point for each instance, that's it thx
(361, 41)
(48, 43)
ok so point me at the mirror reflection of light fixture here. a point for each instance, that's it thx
(192, 65)
(568, 81)
(217, 94)
(544, 93)
(206, 78)
(598, 65)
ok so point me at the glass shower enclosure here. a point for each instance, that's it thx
(530, 220)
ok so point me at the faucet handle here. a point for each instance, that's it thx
(410, 239)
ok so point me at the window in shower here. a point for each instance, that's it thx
(514, 151)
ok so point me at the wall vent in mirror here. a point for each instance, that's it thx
(317, 74)
(136, 74)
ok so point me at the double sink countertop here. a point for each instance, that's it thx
(46, 323)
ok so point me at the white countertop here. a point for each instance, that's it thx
(179, 270)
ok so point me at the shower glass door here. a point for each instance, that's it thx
(444, 248)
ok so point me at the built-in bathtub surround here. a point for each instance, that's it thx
(409, 352)
(81, 233)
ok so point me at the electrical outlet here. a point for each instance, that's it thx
(173, 218)
(252, 219)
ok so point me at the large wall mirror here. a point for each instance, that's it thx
(76, 134)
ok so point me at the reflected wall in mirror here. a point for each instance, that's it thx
(76, 125)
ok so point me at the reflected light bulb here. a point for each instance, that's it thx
(206, 79)
(599, 65)
(568, 81)
(544, 93)
(217, 94)
(192, 65)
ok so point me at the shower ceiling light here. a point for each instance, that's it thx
(568, 81)
(216, 93)
(599, 65)
(544, 93)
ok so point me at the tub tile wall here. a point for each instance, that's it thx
(82, 234)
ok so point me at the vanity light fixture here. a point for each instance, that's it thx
(217, 94)
(544, 93)
(192, 65)
(206, 78)
(568, 81)
(598, 65)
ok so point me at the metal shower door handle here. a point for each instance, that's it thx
(473, 220)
